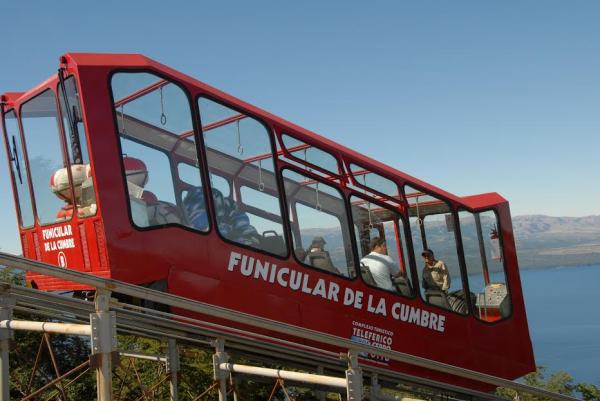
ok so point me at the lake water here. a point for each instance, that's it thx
(563, 309)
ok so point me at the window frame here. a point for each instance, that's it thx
(355, 182)
(508, 282)
(24, 169)
(172, 162)
(62, 144)
(286, 153)
(67, 141)
(344, 198)
(174, 180)
(62, 117)
(407, 263)
(270, 131)
(453, 209)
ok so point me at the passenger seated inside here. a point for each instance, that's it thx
(435, 273)
(233, 223)
(436, 280)
(59, 184)
(318, 257)
(136, 174)
(88, 206)
(381, 266)
(146, 209)
(366, 274)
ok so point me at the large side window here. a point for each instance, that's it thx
(152, 166)
(435, 245)
(380, 235)
(156, 133)
(72, 117)
(319, 225)
(238, 149)
(269, 227)
(301, 151)
(51, 187)
(485, 267)
(18, 168)
(371, 181)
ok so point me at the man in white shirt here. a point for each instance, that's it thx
(382, 266)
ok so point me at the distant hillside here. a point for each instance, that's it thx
(542, 241)
(557, 241)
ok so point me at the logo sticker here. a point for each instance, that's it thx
(62, 259)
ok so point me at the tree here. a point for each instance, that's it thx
(69, 351)
(560, 382)
(589, 392)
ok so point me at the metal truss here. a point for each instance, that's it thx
(102, 319)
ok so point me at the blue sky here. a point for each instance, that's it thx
(472, 96)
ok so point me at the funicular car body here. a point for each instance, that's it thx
(125, 168)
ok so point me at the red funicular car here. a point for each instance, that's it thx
(125, 168)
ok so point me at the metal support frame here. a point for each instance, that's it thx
(80, 370)
(220, 357)
(234, 382)
(145, 357)
(46, 327)
(354, 379)
(376, 394)
(103, 344)
(7, 302)
(104, 334)
(279, 374)
(173, 369)
(320, 394)
(375, 388)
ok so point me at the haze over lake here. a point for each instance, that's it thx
(564, 319)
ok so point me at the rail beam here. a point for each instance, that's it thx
(7, 303)
(329, 381)
(47, 327)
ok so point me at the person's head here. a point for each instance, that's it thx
(135, 171)
(318, 242)
(428, 255)
(379, 245)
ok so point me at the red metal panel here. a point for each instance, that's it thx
(101, 243)
(85, 248)
(25, 246)
(36, 246)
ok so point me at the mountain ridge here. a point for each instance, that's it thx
(546, 241)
